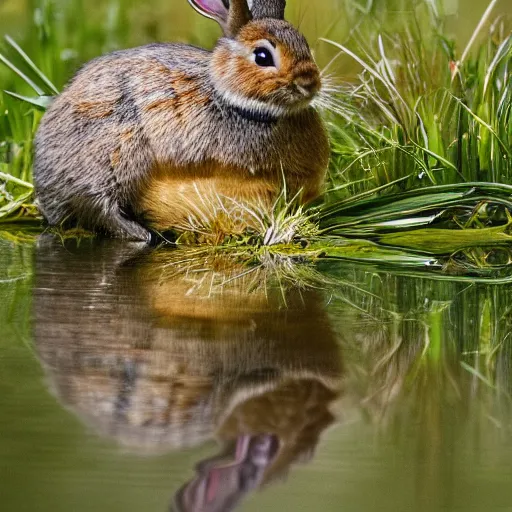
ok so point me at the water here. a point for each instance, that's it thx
(157, 380)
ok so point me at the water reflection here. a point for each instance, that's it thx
(157, 351)
(161, 353)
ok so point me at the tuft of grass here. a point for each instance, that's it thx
(217, 219)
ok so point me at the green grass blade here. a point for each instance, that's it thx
(32, 65)
(42, 102)
(22, 75)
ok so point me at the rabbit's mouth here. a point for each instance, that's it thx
(306, 83)
(299, 94)
(302, 96)
(307, 91)
(297, 97)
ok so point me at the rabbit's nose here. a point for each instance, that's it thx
(307, 84)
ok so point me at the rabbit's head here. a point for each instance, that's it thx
(263, 64)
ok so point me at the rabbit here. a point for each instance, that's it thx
(139, 136)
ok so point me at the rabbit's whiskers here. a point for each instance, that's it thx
(330, 98)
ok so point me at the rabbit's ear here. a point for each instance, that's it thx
(268, 9)
(231, 15)
(215, 9)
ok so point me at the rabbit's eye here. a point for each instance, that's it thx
(263, 57)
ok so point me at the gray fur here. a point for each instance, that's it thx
(268, 9)
(265, 8)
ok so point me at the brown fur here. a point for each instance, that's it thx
(239, 15)
(116, 157)
(94, 109)
(260, 84)
(170, 202)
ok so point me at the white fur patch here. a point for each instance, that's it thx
(237, 100)
(237, 48)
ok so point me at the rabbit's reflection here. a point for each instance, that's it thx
(167, 348)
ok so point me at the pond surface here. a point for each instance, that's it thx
(163, 379)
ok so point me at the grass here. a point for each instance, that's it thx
(421, 140)
(419, 353)
(424, 112)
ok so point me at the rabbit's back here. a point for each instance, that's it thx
(93, 147)
(116, 94)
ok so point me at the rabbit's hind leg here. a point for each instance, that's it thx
(115, 223)
(127, 229)
(103, 214)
